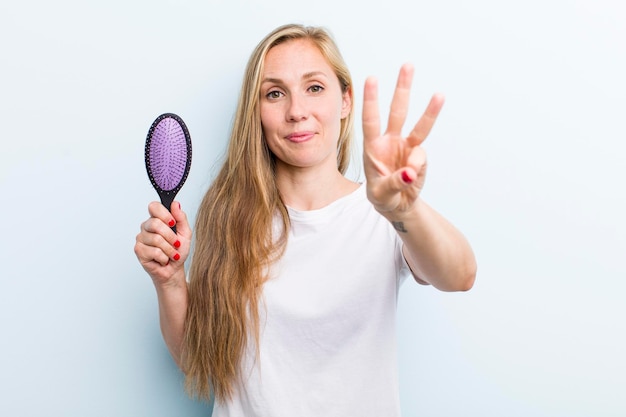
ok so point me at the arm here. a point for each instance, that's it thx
(162, 253)
(172, 313)
(395, 168)
(436, 251)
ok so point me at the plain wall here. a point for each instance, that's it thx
(526, 159)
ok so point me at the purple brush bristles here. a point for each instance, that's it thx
(168, 154)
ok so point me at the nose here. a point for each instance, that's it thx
(297, 109)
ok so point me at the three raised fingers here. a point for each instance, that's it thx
(399, 109)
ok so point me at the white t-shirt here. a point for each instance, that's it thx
(328, 320)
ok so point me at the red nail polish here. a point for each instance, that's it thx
(172, 223)
(176, 257)
(179, 206)
(177, 244)
(406, 178)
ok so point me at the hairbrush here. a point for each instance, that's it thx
(168, 156)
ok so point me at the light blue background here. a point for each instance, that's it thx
(527, 159)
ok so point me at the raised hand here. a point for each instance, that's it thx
(395, 166)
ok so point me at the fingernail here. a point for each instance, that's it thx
(179, 206)
(176, 257)
(177, 244)
(406, 178)
(172, 223)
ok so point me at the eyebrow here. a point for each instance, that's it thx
(306, 76)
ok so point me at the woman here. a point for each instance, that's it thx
(290, 306)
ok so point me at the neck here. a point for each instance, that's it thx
(306, 189)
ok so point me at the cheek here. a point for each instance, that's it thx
(264, 118)
(269, 121)
(269, 131)
(332, 121)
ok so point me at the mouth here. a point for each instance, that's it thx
(299, 137)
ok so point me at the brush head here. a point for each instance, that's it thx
(168, 155)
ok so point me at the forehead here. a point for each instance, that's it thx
(297, 55)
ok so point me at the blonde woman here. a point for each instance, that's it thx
(290, 305)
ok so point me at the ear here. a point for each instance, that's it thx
(346, 103)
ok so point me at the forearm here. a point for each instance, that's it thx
(173, 301)
(436, 251)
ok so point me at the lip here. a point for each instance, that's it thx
(299, 137)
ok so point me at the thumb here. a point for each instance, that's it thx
(385, 193)
(399, 181)
(406, 177)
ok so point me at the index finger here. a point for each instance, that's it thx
(159, 211)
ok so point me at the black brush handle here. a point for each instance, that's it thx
(167, 198)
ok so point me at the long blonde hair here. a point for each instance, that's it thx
(233, 232)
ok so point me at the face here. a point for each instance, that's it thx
(302, 105)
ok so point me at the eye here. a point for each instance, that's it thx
(274, 94)
(316, 88)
